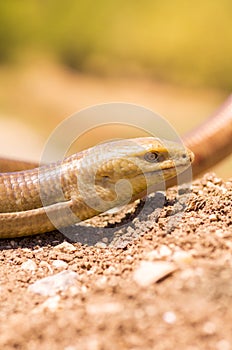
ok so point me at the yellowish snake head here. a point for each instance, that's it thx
(118, 171)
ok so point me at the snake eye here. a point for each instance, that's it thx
(151, 157)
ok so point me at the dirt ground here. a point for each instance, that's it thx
(159, 276)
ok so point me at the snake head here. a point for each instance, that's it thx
(121, 170)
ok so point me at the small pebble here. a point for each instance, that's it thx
(164, 251)
(209, 328)
(65, 247)
(29, 265)
(129, 258)
(213, 217)
(182, 257)
(59, 264)
(100, 245)
(150, 272)
(50, 286)
(169, 317)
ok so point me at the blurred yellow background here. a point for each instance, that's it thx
(173, 57)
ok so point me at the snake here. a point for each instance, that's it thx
(40, 199)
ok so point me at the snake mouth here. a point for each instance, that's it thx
(175, 170)
(157, 180)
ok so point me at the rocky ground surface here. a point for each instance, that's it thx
(156, 275)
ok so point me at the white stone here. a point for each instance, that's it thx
(100, 245)
(182, 257)
(212, 217)
(164, 251)
(209, 328)
(29, 265)
(50, 286)
(59, 264)
(150, 272)
(65, 247)
(169, 317)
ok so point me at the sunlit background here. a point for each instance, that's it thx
(173, 57)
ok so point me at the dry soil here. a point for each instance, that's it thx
(122, 297)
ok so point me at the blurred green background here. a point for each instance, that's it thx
(185, 42)
(57, 57)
